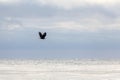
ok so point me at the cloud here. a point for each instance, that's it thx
(9, 24)
(58, 24)
(66, 4)
(78, 15)
(9, 1)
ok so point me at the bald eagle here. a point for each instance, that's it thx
(42, 35)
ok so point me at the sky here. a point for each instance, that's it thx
(75, 29)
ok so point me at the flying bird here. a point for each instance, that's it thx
(42, 35)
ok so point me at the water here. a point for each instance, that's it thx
(59, 70)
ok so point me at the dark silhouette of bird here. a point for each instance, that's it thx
(42, 35)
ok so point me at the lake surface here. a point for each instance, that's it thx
(60, 69)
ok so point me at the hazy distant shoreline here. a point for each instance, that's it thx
(59, 61)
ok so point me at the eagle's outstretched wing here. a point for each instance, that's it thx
(44, 34)
(40, 34)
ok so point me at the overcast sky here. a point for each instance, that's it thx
(75, 28)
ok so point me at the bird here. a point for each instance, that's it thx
(42, 35)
